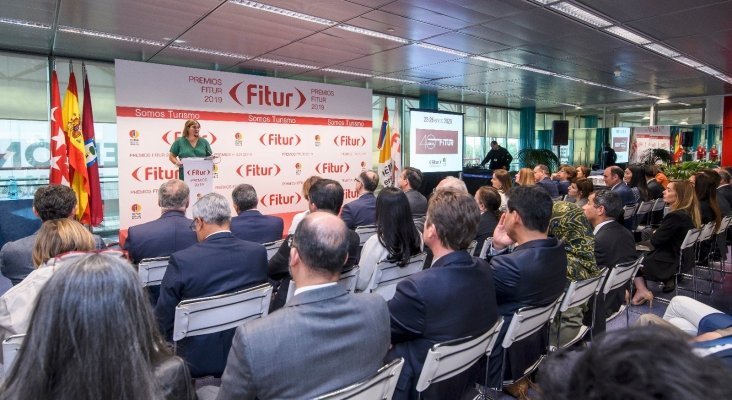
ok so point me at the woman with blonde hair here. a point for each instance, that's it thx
(190, 144)
(502, 182)
(525, 177)
(662, 263)
(306, 195)
(56, 237)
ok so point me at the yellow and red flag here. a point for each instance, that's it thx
(59, 171)
(678, 149)
(77, 152)
(386, 165)
(96, 208)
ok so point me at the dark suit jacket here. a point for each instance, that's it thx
(320, 341)
(417, 203)
(626, 195)
(360, 212)
(161, 237)
(726, 192)
(662, 262)
(220, 264)
(655, 189)
(451, 300)
(251, 225)
(486, 226)
(563, 187)
(549, 186)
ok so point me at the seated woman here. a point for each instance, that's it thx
(525, 177)
(582, 172)
(489, 202)
(93, 336)
(502, 181)
(55, 237)
(566, 175)
(579, 191)
(396, 239)
(662, 262)
(635, 178)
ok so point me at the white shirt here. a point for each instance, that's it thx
(600, 225)
(313, 287)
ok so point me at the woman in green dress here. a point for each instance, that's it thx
(191, 144)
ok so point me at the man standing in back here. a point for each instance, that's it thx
(322, 340)
(250, 224)
(497, 158)
(362, 211)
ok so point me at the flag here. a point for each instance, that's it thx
(96, 209)
(59, 172)
(678, 149)
(77, 157)
(386, 165)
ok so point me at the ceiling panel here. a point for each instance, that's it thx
(32, 10)
(633, 10)
(32, 40)
(700, 20)
(68, 44)
(440, 13)
(466, 43)
(334, 10)
(392, 24)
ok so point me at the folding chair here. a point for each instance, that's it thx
(471, 247)
(204, 315)
(272, 248)
(622, 274)
(364, 233)
(11, 346)
(577, 294)
(525, 322)
(380, 386)
(347, 280)
(486, 245)
(702, 256)
(387, 275)
(658, 206)
(643, 214)
(152, 270)
(628, 213)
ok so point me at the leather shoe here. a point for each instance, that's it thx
(669, 285)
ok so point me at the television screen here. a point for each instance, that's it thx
(435, 141)
(620, 142)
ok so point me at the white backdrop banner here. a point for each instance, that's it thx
(271, 133)
(649, 137)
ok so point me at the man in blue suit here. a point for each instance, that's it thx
(362, 211)
(613, 177)
(541, 175)
(250, 224)
(167, 234)
(451, 300)
(219, 263)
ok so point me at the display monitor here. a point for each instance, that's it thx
(435, 141)
(620, 142)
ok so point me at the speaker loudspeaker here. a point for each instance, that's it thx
(560, 133)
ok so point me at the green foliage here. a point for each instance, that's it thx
(530, 158)
(683, 170)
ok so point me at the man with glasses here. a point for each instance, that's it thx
(219, 263)
(362, 211)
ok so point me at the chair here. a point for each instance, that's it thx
(387, 275)
(622, 274)
(628, 213)
(347, 280)
(364, 233)
(471, 247)
(486, 245)
(272, 248)
(447, 359)
(525, 322)
(11, 346)
(690, 241)
(152, 270)
(658, 206)
(577, 294)
(703, 256)
(380, 386)
(643, 214)
(204, 315)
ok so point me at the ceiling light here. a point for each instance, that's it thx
(104, 35)
(646, 118)
(664, 101)
(340, 71)
(662, 50)
(286, 63)
(210, 52)
(581, 14)
(371, 33)
(710, 71)
(21, 22)
(545, 2)
(628, 35)
(683, 104)
(493, 61)
(387, 78)
(284, 12)
(725, 78)
(537, 70)
(689, 62)
(442, 49)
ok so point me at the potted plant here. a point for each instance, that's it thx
(684, 170)
(530, 158)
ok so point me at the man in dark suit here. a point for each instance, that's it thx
(613, 177)
(167, 234)
(654, 188)
(724, 189)
(614, 244)
(219, 263)
(49, 202)
(541, 175)
(323, 339)
(410, 182)
(250, 224)
(362, 211)
(425, 309)
(533, 274)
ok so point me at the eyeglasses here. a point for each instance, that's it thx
(193, 225)
(291, 242)
(358, 180)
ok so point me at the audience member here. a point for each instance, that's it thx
(219, 263)
(453, 183)
(501, 180)
(655, 190)
(566, 175)
(541, 176)
(322, 340)
(637, 363)
(582, 172)
(613, 177)
(533, 274)
(724, 189)
(635, 178)
(525, 177)
(426, 310)
(362, 211)
(614, 244)
(396, 238)
(305, 195)
(489, 203)
(410, 183)
(662, 262)
(93, 336)
(660, 177)
(579, 191)
(49, 202)
(250, 224)
(167, 234)
(56, 237)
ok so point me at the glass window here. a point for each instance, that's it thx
(24, 87)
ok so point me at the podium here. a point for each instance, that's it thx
(198, 175)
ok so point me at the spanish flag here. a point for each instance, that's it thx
(678, 149)
(386, 165)
(77, 149)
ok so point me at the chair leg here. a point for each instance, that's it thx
(559, 328)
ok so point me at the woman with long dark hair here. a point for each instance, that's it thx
(635, 178)
(93, 336)
(396, 239)
(489, 202)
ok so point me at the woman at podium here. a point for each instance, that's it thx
(190, 144)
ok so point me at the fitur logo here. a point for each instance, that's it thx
(238, 139)
(245, 170)
(264, 95)
(136, 211)
(134, 137)
(276, 139)
(298, 168)
(143, 174)
(317, 140)
(332, 168)
(279, 199)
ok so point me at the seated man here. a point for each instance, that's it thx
(49, 202)
(426, 308)
(543, 180)
(362, 211)
(322, 340)
(250, 224)
(219, 263)
(613, 177)
(533, 274)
